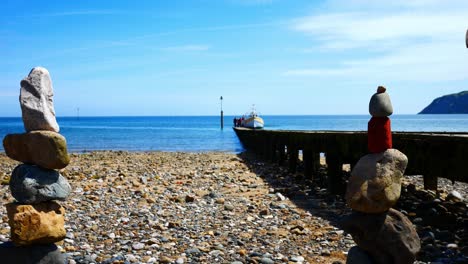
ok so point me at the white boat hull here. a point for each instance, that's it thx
(254, 122)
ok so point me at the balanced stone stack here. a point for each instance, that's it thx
(36, 219)
(382, 234)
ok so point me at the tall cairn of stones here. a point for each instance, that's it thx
(35, 218)
(383, 235)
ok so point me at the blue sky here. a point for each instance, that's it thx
(287, 57)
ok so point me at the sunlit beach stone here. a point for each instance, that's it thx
(41, 223)
(387, 237)
(44, 148)
(375, 182)
(380, 104)
(30, 184)
(36, 99)
(37, 254)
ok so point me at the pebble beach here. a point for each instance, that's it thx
(172, 207)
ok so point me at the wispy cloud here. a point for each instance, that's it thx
(407, 40)
(187, 48)
(80, 13)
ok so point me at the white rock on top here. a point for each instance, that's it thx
(36, 99)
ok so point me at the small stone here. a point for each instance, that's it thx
(180, 261)
(192, 251)
(266, 261)
(380, 105)
(280, 197)
(138, 246)
(220, 201)
(165, 259)
(189, 199)
(265, 212)
(31, 184)
(44, 148)
(37, 254)
(229, 207)
(381, 89)
(36, 99)
(375, 182)
(298, 259)
(41, 223)
(242, 252)
(452, 246)
(454, 196)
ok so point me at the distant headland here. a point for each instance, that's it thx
(456, 103)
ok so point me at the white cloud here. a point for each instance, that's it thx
(407, 40)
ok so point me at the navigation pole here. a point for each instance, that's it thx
(222, 118)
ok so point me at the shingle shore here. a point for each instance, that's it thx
(207, 208)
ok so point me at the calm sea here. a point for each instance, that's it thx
(197, 134)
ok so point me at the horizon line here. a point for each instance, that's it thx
(112, 116)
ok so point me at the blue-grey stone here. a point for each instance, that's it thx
(30, 184)
(37, 254)
(380, 105)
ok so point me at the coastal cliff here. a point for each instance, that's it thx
(448, 104)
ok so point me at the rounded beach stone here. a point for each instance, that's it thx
(36, 100)
(375, 182)
(379, 134)
(37, 254)
(387, 238)
(380, 105)
(41, 223)
(30, 184)
(44, 148)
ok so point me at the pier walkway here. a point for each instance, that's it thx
(431, 154)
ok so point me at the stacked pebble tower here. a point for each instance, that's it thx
(35, 218)
(383, 235)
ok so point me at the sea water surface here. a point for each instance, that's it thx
(203, 133)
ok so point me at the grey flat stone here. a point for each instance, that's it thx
(31, 184)
(380, 105)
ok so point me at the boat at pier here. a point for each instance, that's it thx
(253, 120)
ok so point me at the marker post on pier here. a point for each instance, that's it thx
(222, 117)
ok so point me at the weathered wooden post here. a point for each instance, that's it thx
(308, 160)
(293, 156)
(335, 173)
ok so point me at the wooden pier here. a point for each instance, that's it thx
(432, 155)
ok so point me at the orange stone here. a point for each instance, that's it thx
(381, 89)
(41, 223)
